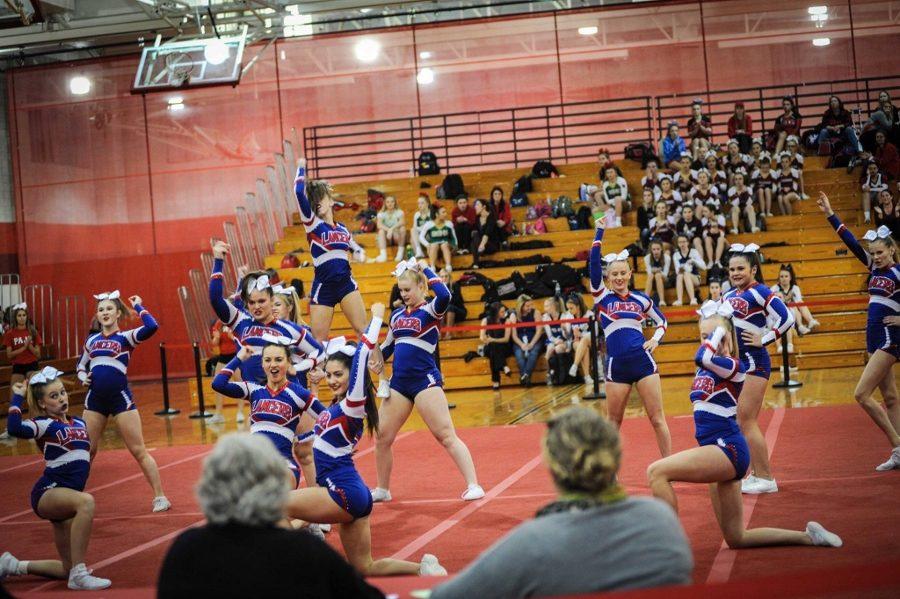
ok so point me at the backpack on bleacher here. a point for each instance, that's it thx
(511, 287)
(563, 274)
(563, 206)
(452, 187)
(375, 199)
(543, 169)
(428, 164)
(521, 188)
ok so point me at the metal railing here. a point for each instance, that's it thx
(503, 138)
(10, 290)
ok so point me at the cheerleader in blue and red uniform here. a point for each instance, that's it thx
(754, 305)
(722, 457)
(342, 497)
(882, 328)
(103, 368)
(412, 340)
(629, 359)
(58, 495)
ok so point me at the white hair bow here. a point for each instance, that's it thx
(881, 233)
(711, 308)
(21, 306)
(260, 284)
(402, 267)
(733, 141)
(740, 248)
(334, 346)
(610, 258)
(281, 290)
(112, 295)
(47, 374)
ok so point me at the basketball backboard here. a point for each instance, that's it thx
(190, 63)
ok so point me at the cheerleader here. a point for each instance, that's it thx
(23, 345)
(252, 326)
(276, 407)
(661, 226)
(722, 457)
(704, 194)
(873, 183)
(650, 180)
(757, 154)
(882, 328)
(557, 342)
(658, 265)
(754, 306)
(58, 496)
(629, 361)
(714, 240)
(788, 184)
(718, 177)
(103, 368)
(668, 194)
(735, 162)
(688, 263)
(684, 178)
(342, 496)
(580, 338)
(741, 198)
(793, 148)
(416, 381)
(329, 243)
(764, 183)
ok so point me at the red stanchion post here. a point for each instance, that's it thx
(167, 410)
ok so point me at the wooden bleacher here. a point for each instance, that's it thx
(810, 245)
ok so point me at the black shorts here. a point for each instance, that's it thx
(24, 369)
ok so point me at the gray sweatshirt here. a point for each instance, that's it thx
(635, 543)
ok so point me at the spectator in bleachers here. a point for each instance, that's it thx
(23, 344)
(424, 214)
(837, 125)
(717, 175)
(580, 338)
(438, 237)
(662, 226)
(703, 195)
(615, 192)
(699, 129)
(503, 212)
(650, 180)
(887, 213)
(797, 162)
(715, 290)
(456, 311)
(886, 156)
(765, 185)
(669, 195)
(788, 184)
(527, 341)
(242, 492)
(558, 348)
(740, 128)
(391, 230)
(658, 264)
(714, 241)
(644, 214)
(688, 264)
(735, 162)
(741, 199)
(604, 160)
(685, 177)
(787, 123)
(884, 118)
(757, 154)
(789, 292)
(593, 538)
(873, 182)
(485, 233)
(690, 226)
(496, 342)
(672, 146)
(463, 217)
(600, 208)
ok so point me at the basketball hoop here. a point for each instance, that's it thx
(180, 67)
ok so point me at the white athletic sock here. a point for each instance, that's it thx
(22, 567)
(867, 214)
(382, 254)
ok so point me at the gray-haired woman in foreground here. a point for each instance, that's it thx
(592, 538)
(242, 552)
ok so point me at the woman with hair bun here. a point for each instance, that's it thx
(592, 538)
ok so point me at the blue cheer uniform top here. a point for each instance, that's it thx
(755, 307)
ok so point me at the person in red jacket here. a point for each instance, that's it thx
(886, 156)
(23, 344)
(503, 213)
(463, 217)
(740, 127)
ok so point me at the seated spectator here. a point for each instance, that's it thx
(886, 156)
(887, 213)
(391, 230)
(485, 234)
(873, 183)
(741, 199)
(669, 195)
(580, 335)
(242, 492)
(527, 341)
(644, 213)
(650, 180)
(699, 129)
(559, 350)
(503, 213)
(690, 226)
(837, 125)
(658, 264)
(740, 128)
(788, 184)
(662, 226)
(757, 154)
(688, 264)
(797, 162)
(787, 123)
(685, 177)
(703, 195)
(715, 290)
(885, 118)
(735, 162)
(789, 292)
(615, 192)
(456, 311)
(496, 342)
(600, 208)
(438, 236)
(717, 175)
(672, 147)
(463, 217)
(714, 241)
(424, 214)
(596, 537)
(604, 161)
(765, 184)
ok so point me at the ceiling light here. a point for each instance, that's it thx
(79, 85)
(425, 55)
(821, 41)
(367, 49)
(817, 10)
(587, 30)
(215, 52)
(425, 76)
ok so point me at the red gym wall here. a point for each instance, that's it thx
(116, 191)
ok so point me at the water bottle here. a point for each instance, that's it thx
(558, 290)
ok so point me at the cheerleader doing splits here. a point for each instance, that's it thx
(413, 339)
(58, 496)
(882, 328)
(103, 368)
(722, 457)
(629, 360)
(755, 305)
(342, 497)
